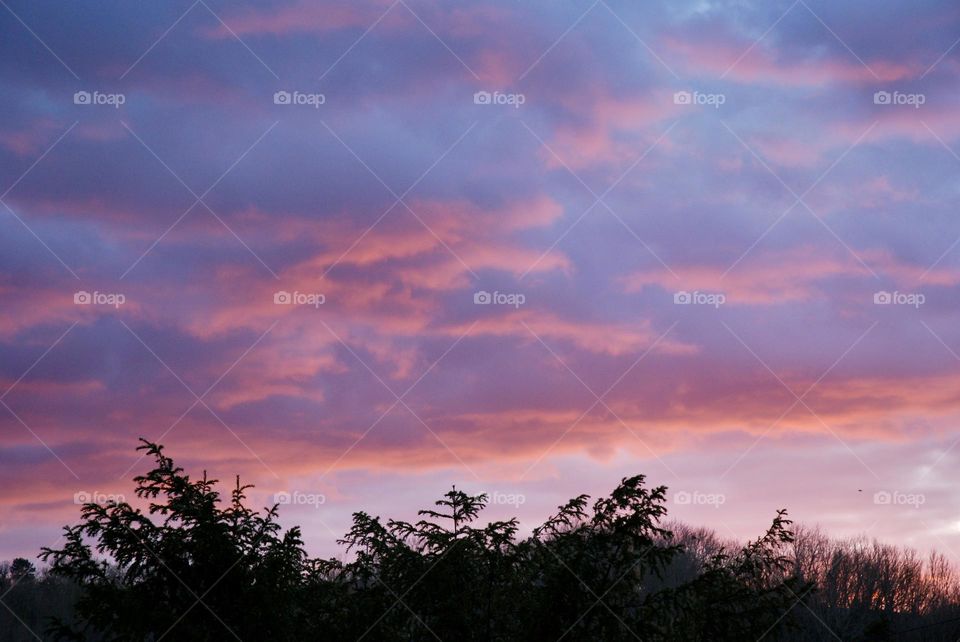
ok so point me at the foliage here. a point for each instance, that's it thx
(196, 566)
(189, 568)
(28, 597)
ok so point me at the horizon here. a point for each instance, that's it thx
(356, 252)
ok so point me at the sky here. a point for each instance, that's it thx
(358, 251)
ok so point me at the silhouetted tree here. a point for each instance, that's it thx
(22, 569)
(196, 566)
(29, 599)
(585, 574)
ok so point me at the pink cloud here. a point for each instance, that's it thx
(302, 17)
(745, 61)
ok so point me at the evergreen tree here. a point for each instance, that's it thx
(197, 566)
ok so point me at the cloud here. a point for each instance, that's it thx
(494, 198)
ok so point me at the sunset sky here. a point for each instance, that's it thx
(358, 251)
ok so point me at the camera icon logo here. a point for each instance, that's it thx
(281, 98)
(482, 98)
(682, 98)
(881, 98)
(81, 98)
(882, 298)
(682, 298)
(282, 298)
(482, 297)
(281, 498)
(81, 497)
(82, 298)
(682, 498)
(882, 497)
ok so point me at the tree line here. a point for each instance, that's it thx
(196, 564)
